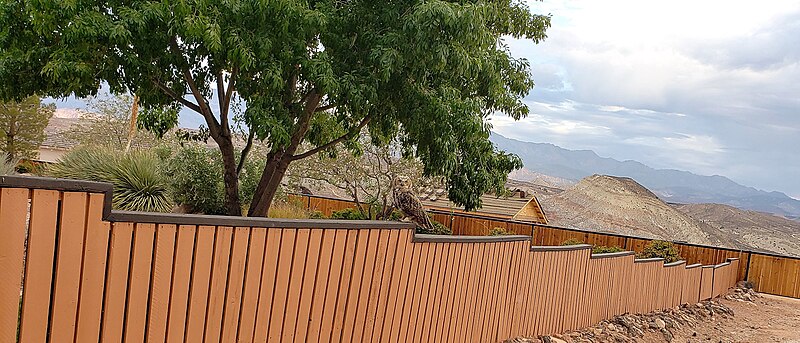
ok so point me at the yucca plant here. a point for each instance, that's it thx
(6, 167)
(139, 184)
(85, 163)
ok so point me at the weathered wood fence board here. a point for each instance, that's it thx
(92, 275)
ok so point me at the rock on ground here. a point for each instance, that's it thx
(758, 319)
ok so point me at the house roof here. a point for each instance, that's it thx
(54, 133)
(519, 206)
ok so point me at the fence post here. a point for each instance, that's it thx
(747, 268)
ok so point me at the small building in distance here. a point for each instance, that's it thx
(55, 144)
(518, 205)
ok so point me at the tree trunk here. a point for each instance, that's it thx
(268, 185)
(278, 161)
(230, 177)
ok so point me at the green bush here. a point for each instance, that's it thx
(195, 175)
(348, 214)
(602, 249)
(139, 184)
(317, 215)
(438, 229)
(660, 249)
(499, 231)
(596, 249)
(572, 241)
(249, 178)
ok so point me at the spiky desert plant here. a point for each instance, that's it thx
(6, 167)
(139, 184)
(85, 163)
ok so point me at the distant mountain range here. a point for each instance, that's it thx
(670, 185)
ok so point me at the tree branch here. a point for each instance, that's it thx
(178, 98)
(213, 124)
(341, 138)
(231, 87)
(245, 151)
(325, 108)
(223, 112)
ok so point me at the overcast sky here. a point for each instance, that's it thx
(711, 87)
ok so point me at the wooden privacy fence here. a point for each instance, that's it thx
(768, 272)
(75, 271)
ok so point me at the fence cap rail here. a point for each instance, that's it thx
(675, 264)
(694, 265)
(422, 238)
(561, 247)
(723, 264)
(648, 260)
(67, 185)
(612, 254)
(202, 219)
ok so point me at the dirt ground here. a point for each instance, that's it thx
(768, 319)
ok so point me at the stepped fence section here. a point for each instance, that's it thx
(75, 271)
(768, 272)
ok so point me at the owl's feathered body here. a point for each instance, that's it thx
(405, 200)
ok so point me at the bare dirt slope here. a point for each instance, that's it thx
(621, 205)
(751, 229)
(768, 319)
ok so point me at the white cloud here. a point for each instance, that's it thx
(709, 86)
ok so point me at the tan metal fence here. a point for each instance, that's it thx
(78, 272)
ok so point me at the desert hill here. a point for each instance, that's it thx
(621, 205)
(563, 166)
(750, 229)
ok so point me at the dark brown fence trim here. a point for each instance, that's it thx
(64, 185)
(612, 254)
(419, 238)
(648, 260)
(561, 247)
(477, 216)
(675, 264)
(534, 225)
(198, 219)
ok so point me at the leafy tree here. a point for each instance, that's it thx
(428, 73)
(107, 123)
(22, 127)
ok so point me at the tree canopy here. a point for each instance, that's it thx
(22, 127)
(318, 72)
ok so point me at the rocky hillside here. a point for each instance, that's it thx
(621, 205)
(751, 229)
(544, 160)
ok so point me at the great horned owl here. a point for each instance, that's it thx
(406, 201)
